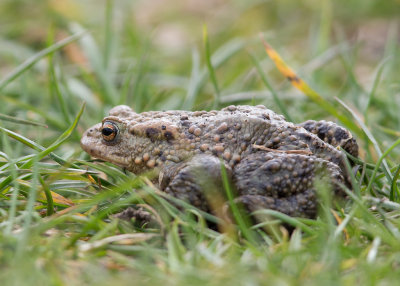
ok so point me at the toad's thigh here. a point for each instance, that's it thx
(280, 175)
(299, 205)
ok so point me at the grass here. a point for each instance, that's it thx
(57, 204)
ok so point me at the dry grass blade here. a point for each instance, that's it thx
(301, 85)
(302, 152)
(126, 239)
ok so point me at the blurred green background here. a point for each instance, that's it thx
(151, 55)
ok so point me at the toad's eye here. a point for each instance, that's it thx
(109, 131)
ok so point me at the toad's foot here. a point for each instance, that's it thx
(140, 215)
(332, 134)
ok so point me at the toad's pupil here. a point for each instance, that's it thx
(107, 131)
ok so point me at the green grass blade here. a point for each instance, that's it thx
(108, 34)
(33, 145)
(43, 152)
(266, 82)
(52, 121)
(386, 168)
(210, 68)
(21, 121)
(377, 79)
(286, 219)
(22, 139)
(49, 197)
(194, 82)
(242, 221)
(31, 61)
(107, 89)
(199, 76)
(59, 140)
(377, 227)
(54, 81)
(381, 158)
(176, 250)
(13, 199)
(29, 210)
(394, 190)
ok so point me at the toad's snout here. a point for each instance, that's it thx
(91, 138)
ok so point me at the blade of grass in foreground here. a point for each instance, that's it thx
(31, 61)
(376, 226)
(286, 219)
(49, 197)
(241, 220)
(59, 140)
(381, 159)
(393, 188)
(176, 249)
(29, 209)
(33, 145)
(301, 85)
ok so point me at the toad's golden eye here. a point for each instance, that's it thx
(109, 131)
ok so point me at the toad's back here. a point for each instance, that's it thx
(228, 133)
(154, 138)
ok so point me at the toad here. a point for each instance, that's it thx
(271, 163)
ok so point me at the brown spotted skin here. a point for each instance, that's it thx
(187, 149)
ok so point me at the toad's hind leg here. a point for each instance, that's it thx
(299, 205)
(332, 134)
(284, 182)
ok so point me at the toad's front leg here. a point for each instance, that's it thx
(197, 181)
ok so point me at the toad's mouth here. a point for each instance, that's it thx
(92, 142)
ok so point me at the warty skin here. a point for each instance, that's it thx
(271, 162)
